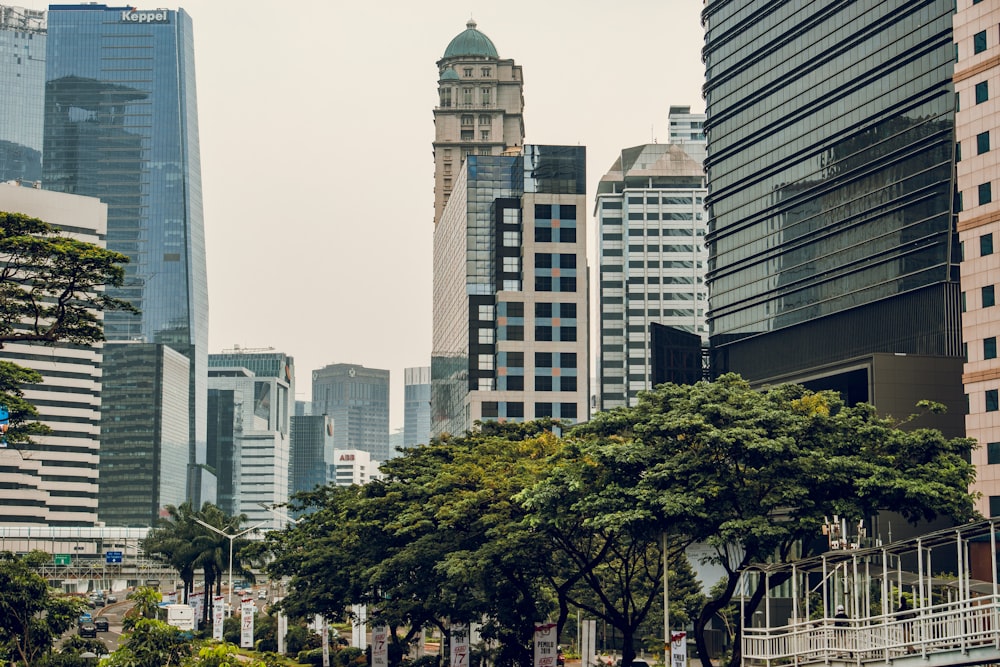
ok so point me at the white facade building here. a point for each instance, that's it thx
(354, 466)
(54, 481)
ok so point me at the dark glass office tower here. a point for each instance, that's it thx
(833, 254)
(121, 124)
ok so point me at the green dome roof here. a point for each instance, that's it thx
(471, 42)
(449, 74)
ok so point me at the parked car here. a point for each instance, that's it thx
(262, 594)
(101, 622)
(112, 599)
(87, 630)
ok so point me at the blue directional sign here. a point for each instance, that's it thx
(112, 557)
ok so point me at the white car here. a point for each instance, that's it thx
(262, 594)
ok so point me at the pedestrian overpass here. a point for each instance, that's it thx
(948, 577)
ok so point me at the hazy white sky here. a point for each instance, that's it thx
(316, 130)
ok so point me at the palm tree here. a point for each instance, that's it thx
(172, 539)
(213, 549)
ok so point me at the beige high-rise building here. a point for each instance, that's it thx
(977, 135)
(480, 108)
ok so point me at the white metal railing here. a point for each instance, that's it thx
(954, 627)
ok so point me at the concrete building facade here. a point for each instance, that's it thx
(54, 482)
(977, 136)
(357, 399)
(479, 111)
(511, 317)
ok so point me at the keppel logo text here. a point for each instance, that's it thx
(145, 17)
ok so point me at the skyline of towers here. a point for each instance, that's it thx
(833, 255)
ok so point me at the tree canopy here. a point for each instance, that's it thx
(513, 524)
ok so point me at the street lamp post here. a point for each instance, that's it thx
(232, 537)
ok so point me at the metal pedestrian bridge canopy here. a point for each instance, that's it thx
(931, 600)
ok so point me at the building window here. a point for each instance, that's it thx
(467, 135)
(486, 336)
(515, 308)
(515, 359)
(992, 400)
(543, 360)
(989, 296)
(487, 312)
(515, 409)
(511, 285)
(543, 333)
(567, 360)
(567, 383)
(985, 245)
(484, 135)
(994, 500)
(467, 96)
(511, 264)
(543, 283)
(993, 453)
(567, 334)
(979, 42)
(446, 97)
(961, 300)
(515, 382)
(985, 193)
(543, 383)
(567, 410)
(567, 284)
(982, 92)
(512, 239)
(485, 362)
(543, 410)
(484, 119)
(485, 71)
(467, 119)
(515, 332)
(982, 142)
(543, 234)
(485, 384)
(958, 151)
(484, 96)
(990, 348)
(467, 71)
(490, 409)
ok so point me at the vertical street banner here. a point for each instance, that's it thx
(459, 645)
(380, 646)
(324, 635)
(588, 643)
(246, 623)
(546, 650)
(195, 601)
(678, 649)
(218, 615)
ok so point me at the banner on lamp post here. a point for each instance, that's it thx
(546, 650)
(218, 615)
(678, 649)
(247, 609)
(459, 645)
(195, 600)
(380, 646)
(324, 633)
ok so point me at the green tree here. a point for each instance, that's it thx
(51, 291)
(145, 602)
(32, 615)
(753, 473)
(151, 643)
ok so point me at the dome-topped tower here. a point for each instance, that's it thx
(471, 42)
(479, 112)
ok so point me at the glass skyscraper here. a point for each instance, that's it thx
(121, 124)
(22, 80)
(357, 399)
(830, 164)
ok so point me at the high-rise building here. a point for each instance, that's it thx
(977, 86)
(121, 124)
(354, 466)
(144, 432)
(22, 80)
(651, 218)
(687, 130)
(510, 339)
(416, 406)
(259, 458)
(54, 482)
(480, 108)
(311, 458)
(833, 251)
(357, 399)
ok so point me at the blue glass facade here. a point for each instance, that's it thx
(121, 124)
(830, 176)
(22, 80)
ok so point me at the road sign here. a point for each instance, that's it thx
(112, 557)
(62, 559)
